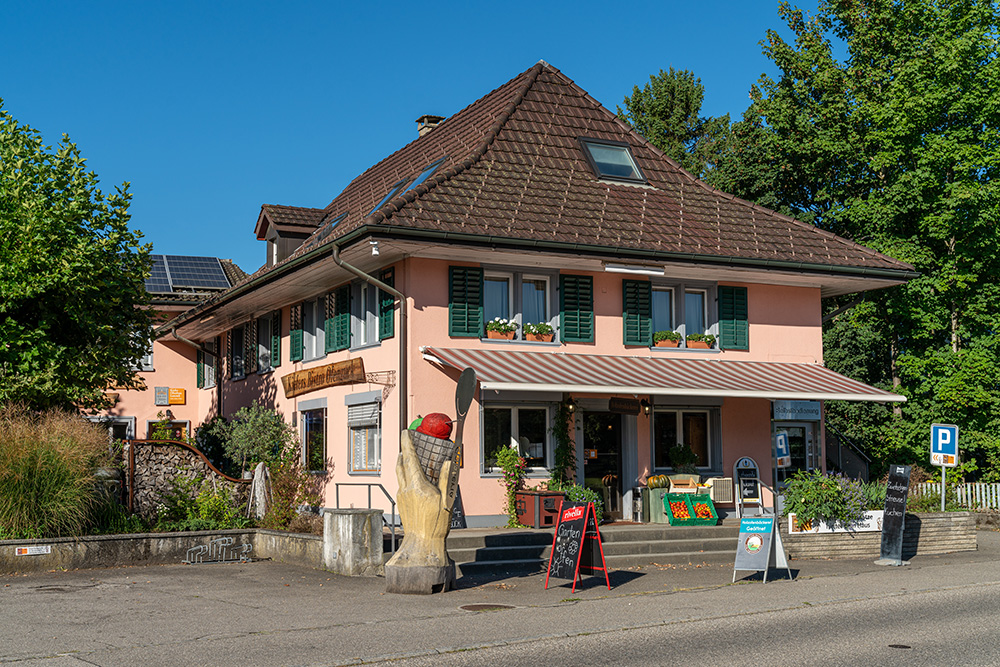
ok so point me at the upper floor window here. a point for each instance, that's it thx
(612, 160)
(207, 365)
(146, 360)
(648, 308)
(268, 342)
(521, 297)
(313, 329)
(393, 191)
(425, 174)
(237, 345)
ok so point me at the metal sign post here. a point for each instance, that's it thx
(944, 450)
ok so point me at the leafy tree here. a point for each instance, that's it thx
(257, 434)
(895, 146)
(71, 277)
(666, 111)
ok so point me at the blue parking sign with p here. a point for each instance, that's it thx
(944, 445)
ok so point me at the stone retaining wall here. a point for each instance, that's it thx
(153, 549)
(923, 534)
(158, 464)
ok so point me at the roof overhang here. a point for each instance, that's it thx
(504, 370)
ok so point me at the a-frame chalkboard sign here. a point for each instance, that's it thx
(576, 533)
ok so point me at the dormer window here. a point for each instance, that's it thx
(393, 191)
(612, 160)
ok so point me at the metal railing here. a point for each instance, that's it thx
(391, 524)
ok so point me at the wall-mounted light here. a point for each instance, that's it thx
(571, 405)
(635, 269)
(374, 245)
(169, 415)
(646, 407)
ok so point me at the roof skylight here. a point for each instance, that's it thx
(425, 174)
(393, 191)
(612, 160)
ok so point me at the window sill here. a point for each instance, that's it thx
(686, 350)
(516, 341)
(365, 473)
(365, 346)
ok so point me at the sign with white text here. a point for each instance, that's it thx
(944, 445)
(782, 454)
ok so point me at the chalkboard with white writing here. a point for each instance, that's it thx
(568, 540)
(895, 511)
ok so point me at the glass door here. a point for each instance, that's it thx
(602, 460)
(803, 446)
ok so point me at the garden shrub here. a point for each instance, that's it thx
(193, 503)
(291, 486)
(47, 486)
(834, 499)
(581, 494)
(257, 434)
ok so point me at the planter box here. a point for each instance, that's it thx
(500, 336)
(538, 509)
(923, 534)
(667, 343)
(697, 345)
(539, 338)
(872, 522)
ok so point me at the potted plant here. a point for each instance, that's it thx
(667, 339)
(499, 327)
(700, 341)
(538, 332)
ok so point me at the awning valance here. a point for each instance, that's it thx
(591, 373)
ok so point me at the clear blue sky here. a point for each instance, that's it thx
(211, 109)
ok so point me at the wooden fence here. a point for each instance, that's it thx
(973, 496)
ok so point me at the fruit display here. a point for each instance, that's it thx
(679, 509)
(657, 481)
(703, 511)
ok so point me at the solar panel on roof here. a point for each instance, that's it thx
(196, 272)
(158, 281)
(179, 272)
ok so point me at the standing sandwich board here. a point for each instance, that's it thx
(576, 532)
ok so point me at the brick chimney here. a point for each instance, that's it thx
(427, 122)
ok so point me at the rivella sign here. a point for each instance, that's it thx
(351, 371)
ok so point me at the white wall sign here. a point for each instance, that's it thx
(796, 411)
(32, 551)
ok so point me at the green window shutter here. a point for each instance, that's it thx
(201, 369)
(734, 329)
(275, 339)
(576, 309)
(251, 359)
(386, 306)
(337, 327)
(295, 344)
(465, 301)
(637, 312)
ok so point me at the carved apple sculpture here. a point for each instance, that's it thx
(437, 425)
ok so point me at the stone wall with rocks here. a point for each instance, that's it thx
(158, 464)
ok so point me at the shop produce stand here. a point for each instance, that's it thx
(686, 509)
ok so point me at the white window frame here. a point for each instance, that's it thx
(673, 310)
(209, 367)
(364, 433)
(515, 409)
(264, 364)
(515, 305)
(364, 314)
(679, 411)
(303, 434)
(314, 338)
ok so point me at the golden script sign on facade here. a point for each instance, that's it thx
(351, 371)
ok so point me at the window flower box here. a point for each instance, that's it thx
(501, 328)
(667, 343)
(538, 338)
(700, 341)
(500, 334)
(541, 332)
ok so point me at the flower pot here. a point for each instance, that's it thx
(502, 336)
(697, 345)
(667, 343)
(539, 338)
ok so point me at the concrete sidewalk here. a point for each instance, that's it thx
(269, 613)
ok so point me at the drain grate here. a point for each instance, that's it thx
(485, 607)
(899, 646)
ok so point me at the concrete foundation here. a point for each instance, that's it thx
(352, 542)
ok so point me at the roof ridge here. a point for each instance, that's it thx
(397, 203)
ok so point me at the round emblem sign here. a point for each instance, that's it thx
(753, 543)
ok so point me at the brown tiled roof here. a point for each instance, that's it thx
(515, 169)
(295, 219)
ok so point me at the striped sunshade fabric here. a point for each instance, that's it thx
(591, 373)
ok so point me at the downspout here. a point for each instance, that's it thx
(402, 327)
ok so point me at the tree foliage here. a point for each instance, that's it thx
(667, 112)
(895, 146)
(71, 277)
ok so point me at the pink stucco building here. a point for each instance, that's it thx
(538, 205)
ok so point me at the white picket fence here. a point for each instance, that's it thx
(973, 496)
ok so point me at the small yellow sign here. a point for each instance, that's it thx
(176, 396)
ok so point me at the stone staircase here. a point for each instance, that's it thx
(506, 551)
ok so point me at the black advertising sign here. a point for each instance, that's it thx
(895, 512)
(575, 532)
(458, 511)
(747, 473)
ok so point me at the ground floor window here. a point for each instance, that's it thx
(364, 421)
(314, 439)
(167, 429)
(525, 428)
(681, 427)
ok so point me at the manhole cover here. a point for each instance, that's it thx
(485, 607)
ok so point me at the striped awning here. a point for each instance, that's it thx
(591, 373)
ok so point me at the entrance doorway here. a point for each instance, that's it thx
(602, 461)
(803, 446)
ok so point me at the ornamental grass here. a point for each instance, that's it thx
(47, 466)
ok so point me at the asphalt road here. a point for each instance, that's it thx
(943, 609)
